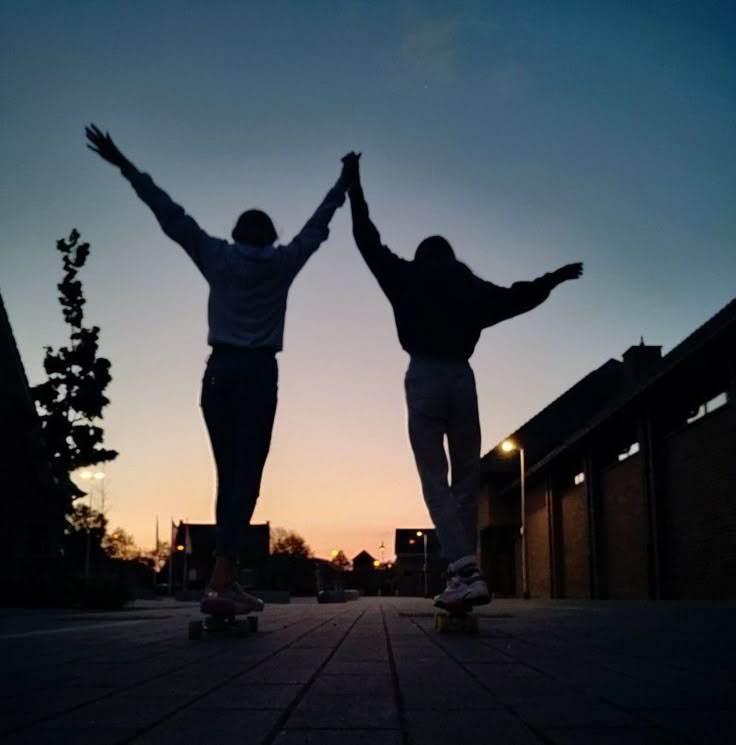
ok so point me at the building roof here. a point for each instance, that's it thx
(363, 556)
(597, 397)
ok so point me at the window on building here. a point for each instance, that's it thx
(633, 449)
(579, 478)
(714, 403)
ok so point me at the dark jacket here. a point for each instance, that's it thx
(440, 307)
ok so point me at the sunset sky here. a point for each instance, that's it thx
(529, 134)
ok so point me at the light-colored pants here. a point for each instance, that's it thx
(442, 402)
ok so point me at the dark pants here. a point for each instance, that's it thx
(239, 392)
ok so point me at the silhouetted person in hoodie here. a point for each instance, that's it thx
(249, 280)
(440, 308)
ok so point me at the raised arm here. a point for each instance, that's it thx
(501, 303)
(316, 230)
(386, 266)
(172, 218)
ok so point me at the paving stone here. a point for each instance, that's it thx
(330, 711)
(497, 727)
(261, 696)
(572, 711)
(119, 711)
(611, 736)
(514, 681)
(195, 727)
(85, 736)
(437, 694)
(338, 737)
(705, 727)
(338, 667)
(342, 685)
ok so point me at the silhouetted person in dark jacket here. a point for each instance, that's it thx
(249, 280)
(440, 308)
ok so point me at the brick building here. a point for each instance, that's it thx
(630, 480)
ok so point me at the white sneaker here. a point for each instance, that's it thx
(463, 592)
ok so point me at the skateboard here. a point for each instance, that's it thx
(458, 619)
(220, 615)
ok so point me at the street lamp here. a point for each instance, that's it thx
(420, 534)
(87, 476)
(509, 446)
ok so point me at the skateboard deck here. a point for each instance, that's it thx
(220, 616)
(460, 620)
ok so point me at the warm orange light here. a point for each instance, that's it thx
(334, 553)
(508, 445)
(419, 533)
(180, 547)
(376, 563)
(411, 540)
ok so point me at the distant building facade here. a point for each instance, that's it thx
(630, 480)
(193, 555)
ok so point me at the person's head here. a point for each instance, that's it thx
(255, 228)
(434, 250)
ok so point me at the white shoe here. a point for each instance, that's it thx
(463, 592)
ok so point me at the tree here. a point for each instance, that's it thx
(289, 542)
(340, 560)
(84, 534)
(71, 401)
(120, 545)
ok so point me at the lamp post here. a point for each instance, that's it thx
(421, 534)
(509, 446)
(91, 476)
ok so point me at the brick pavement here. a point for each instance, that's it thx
(373, 671)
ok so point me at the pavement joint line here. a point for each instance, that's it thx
(118, 691)
(284, 718)
(406, 736)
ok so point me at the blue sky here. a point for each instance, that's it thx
(529, 135)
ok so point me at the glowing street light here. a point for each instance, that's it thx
(508, 446)
(88, 476)
(420, 534)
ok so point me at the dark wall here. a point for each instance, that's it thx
(699, 508)
(625, 526)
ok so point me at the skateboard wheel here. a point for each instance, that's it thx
(253, 623)
(441, 623)
(195, 629)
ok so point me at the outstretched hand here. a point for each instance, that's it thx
(103, 145)
(569, 271)
(351, 169)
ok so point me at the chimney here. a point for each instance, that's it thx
(639, 360)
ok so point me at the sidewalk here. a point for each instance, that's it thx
(374, 672)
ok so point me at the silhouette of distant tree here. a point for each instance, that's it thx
(340, 560)
(81, 520)
(71, 401)
(119, 544)
(285, 541)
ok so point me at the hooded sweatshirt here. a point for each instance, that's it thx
(248, 284)
(440, 306)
